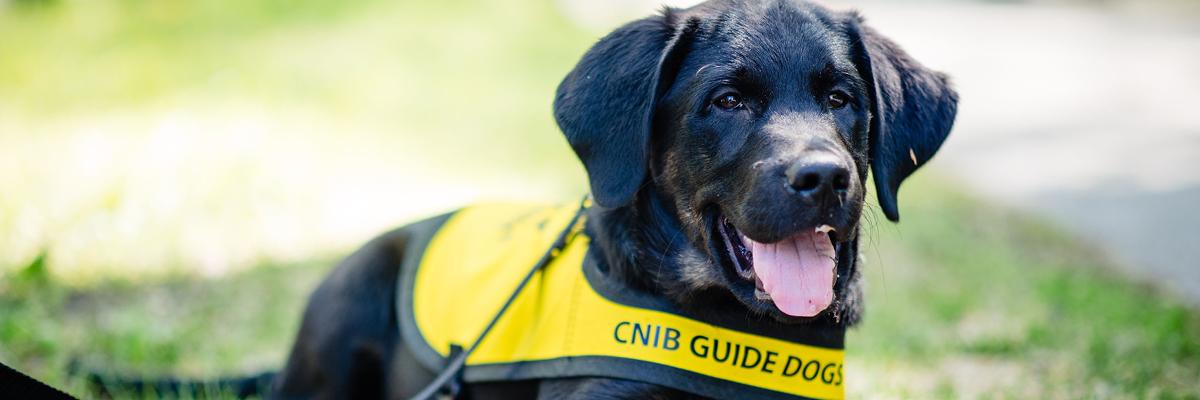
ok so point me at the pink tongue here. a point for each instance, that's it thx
(796, 272)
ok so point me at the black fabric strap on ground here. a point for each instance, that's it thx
(15, 385)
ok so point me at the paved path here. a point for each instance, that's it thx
(1088, 117)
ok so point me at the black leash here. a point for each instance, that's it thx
(454, 369)
(18, 385)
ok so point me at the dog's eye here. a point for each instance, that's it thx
(837, 99)
(728, 101)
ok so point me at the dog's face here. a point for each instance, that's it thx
(757, 123)
(760, 140)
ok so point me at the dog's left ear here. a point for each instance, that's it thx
(605, 105)
(911, 113)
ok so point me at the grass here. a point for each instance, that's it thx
(225, 133)
(240, 323)
(176, 177)
(967, 298)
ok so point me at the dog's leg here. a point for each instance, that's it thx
(348, 333)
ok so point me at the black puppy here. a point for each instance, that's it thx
(727, 147)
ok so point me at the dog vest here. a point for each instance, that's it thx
(571, 320)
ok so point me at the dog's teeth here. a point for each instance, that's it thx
(824, 229)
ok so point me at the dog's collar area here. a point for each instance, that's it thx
(571, 322)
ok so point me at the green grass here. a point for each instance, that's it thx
(222, 132)
(175, 177)
(240, 323)
(968, 298)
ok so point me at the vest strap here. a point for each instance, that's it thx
(450, 379)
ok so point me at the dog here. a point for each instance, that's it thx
(727, 147)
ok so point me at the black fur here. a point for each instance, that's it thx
(666, 163)
(913, 110)
(605, 104)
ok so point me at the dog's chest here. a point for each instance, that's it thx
(570, 321)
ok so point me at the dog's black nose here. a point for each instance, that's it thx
(819, 175)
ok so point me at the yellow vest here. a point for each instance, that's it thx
(573, 321)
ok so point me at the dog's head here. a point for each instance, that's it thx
(755, 122)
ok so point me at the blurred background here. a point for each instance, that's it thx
(176, 176)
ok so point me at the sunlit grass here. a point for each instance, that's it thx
(207, 138)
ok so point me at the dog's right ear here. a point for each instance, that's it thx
(912, 111)
(605, 105)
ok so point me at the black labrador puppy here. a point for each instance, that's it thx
(725, 143)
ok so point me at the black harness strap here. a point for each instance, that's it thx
(449, 381)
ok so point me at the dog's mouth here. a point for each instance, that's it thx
(796, 274)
